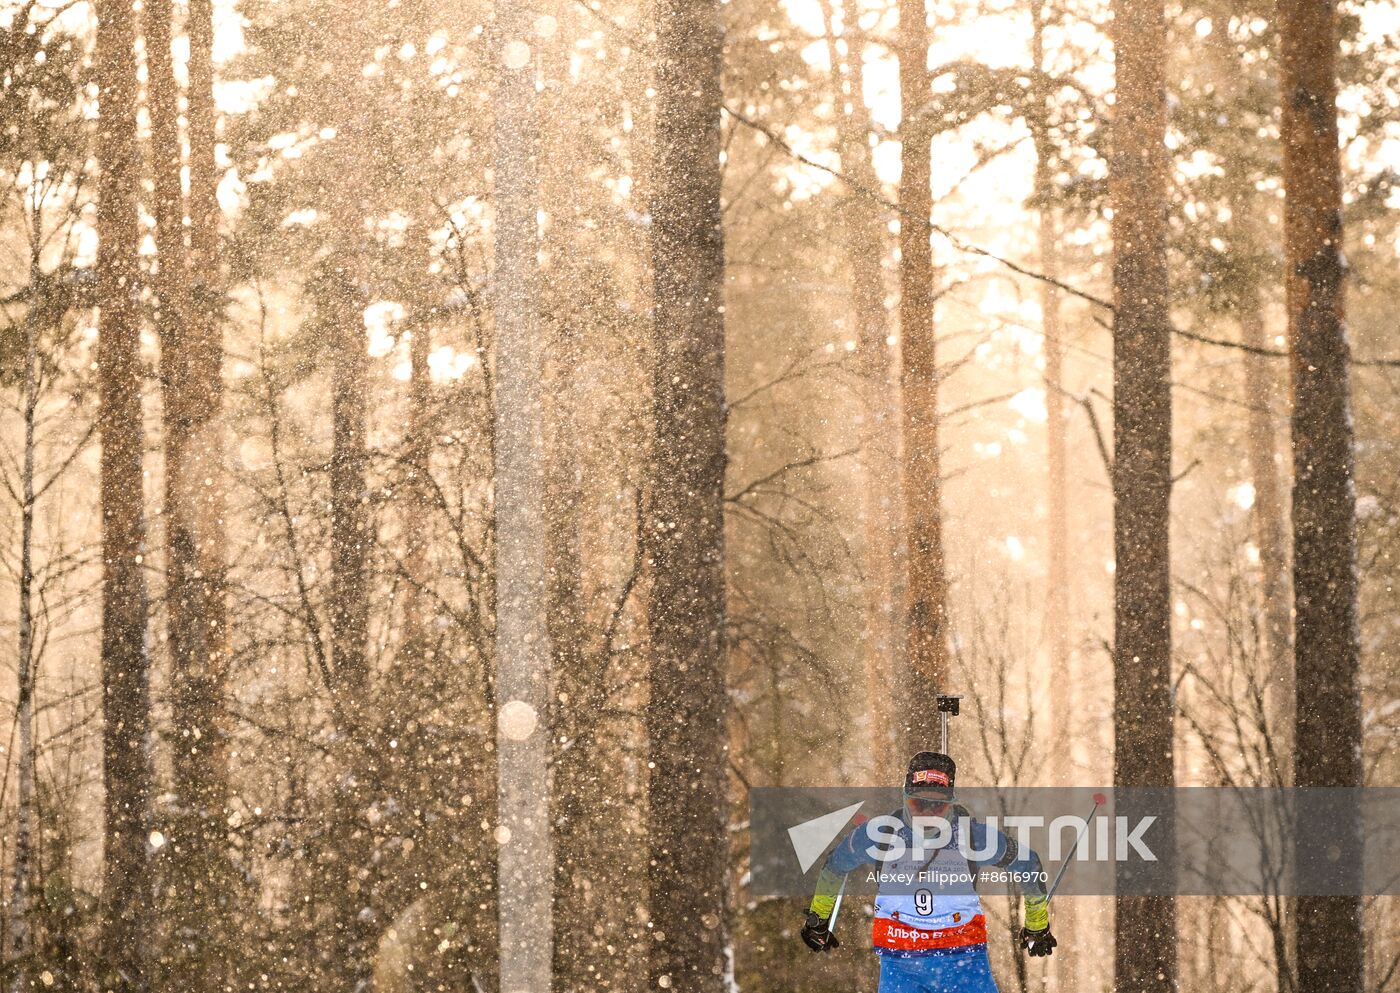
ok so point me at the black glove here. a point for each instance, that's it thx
(816, 934)
(1037, 943)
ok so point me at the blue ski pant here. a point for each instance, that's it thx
(966, 970)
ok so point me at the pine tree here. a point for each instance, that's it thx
(880, 510)
(1327, 640)
(926, 607)
(1145, 927)
(40, 67)
(126, 736)
(1057, 592)
(1233, 96)
(20, 941)
(204, 879)
(577, 818)
(1058, 586)
(685, 717)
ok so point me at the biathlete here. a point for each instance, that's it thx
(929, 929)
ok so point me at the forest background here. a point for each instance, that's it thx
(453, 451)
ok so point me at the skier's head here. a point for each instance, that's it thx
(928, 785)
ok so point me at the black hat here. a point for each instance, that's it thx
(931, 771)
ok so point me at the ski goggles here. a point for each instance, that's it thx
(927, 803)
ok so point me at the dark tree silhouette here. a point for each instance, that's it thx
(685, 717)
(926, 596)
(1145, 927)
(126, 737)
(1327, 640)
(204, 879)
(341, 291)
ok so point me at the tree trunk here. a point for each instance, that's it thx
(417, 494)
(1057, 575)
(686, 713)
(1057, 592)
(348, 873)
(926, 607)
(580, 816)
(203, 206)
(351, 877)
(1144, 747)
(1261, 387)
(575, 789)
(354, 929)
(877, 467)
(522, 635)
(1327, 637)
(204, 879)
(126, 735)
(163, 101)
(22, 946)
(348, 471)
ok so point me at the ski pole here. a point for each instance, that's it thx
(1099, 801)
(836, 907)
(841, 893)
